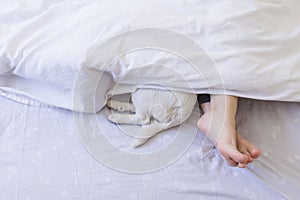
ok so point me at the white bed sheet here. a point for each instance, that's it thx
(41, 157)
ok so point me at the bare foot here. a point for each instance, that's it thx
(245, 147)
(235, 149)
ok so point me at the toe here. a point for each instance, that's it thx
(240, 165)
(255, 153)
(230, 162)
(252, 150)
(250, 159)
(230, 152)
(245, 152)
(239, 157)
(246, 146)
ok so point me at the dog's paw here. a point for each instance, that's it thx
(138, 142)
(112, 119)
(109, 103)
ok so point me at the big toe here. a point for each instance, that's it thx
(255, 153)
(252, 150)
(245, 146)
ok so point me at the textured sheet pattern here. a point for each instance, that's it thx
(41, 157)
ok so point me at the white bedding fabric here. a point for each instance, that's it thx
(41, 157)
(44, 44)
(253, 44)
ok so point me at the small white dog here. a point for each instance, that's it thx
(155, 110)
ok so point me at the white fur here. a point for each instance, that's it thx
(156, 110)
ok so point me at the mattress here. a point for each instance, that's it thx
(42, 157)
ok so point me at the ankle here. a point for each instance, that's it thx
(205, 107)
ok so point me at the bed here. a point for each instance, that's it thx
(54, 75)
(42, 158)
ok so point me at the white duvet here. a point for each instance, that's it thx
(253, 45)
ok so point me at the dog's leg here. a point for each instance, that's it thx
(122, 118)
(147, 132)
(120, 106)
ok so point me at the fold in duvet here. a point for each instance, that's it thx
(52, 51)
